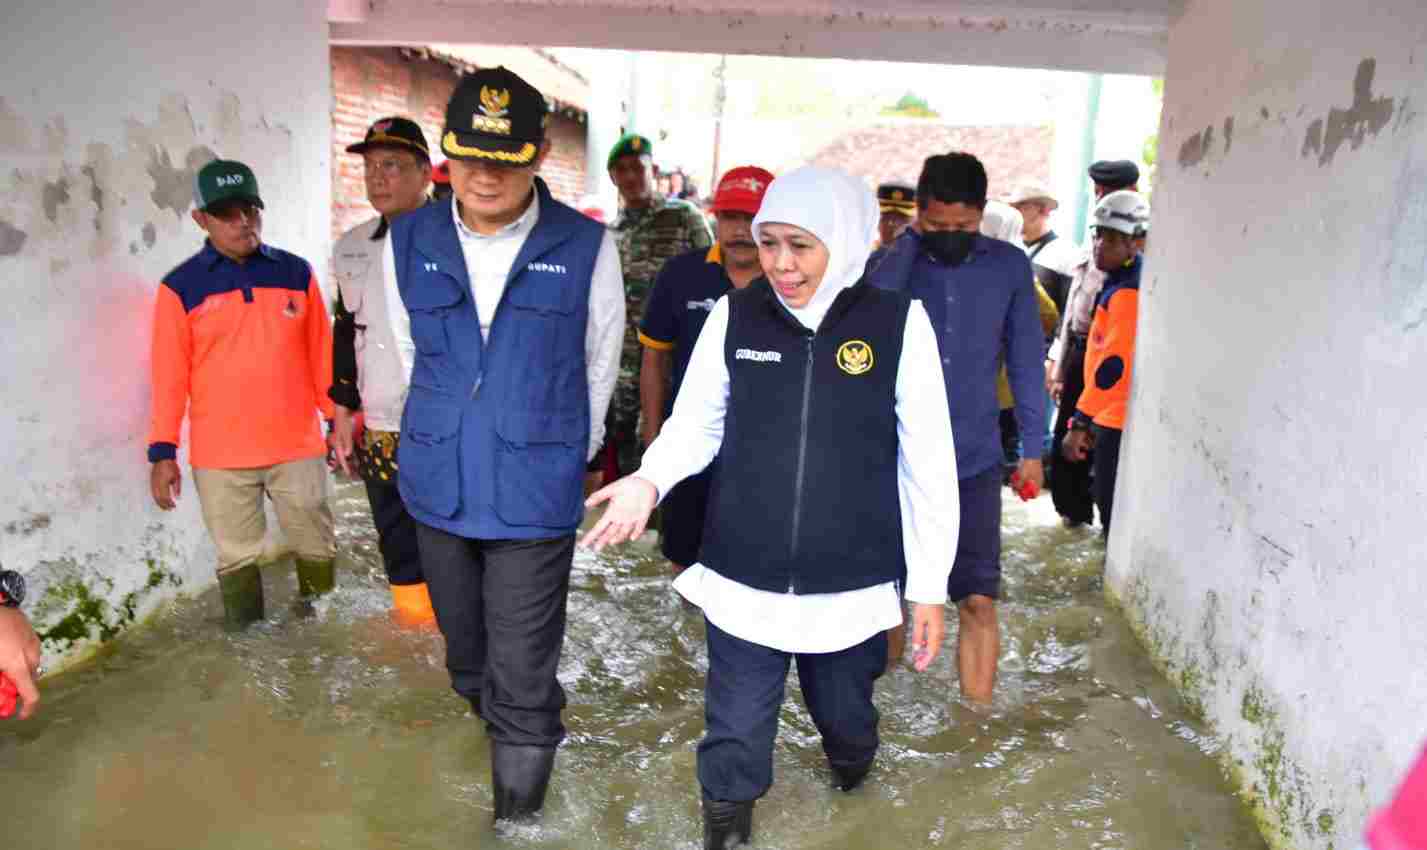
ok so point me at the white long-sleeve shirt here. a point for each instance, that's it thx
(488, 262)
(926, 486)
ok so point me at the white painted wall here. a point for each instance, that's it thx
(1269, 531)
(105, 111)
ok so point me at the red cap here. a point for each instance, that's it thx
(441, 173)
(742, 190)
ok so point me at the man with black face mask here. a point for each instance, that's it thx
(980, 295)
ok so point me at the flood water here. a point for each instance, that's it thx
(337, 729)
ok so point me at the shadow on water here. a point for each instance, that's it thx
(337, 729)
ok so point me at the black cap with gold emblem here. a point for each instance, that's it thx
(897, 198)
(495, 116)
(393, 132)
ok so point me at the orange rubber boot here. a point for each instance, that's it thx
(412, 603)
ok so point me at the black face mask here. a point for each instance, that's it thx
(949, 246)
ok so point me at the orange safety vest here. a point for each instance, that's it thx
(1110, 348)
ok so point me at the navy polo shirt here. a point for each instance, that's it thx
(982, 311)
(684, 293)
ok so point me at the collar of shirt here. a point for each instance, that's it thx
(520, 227)
(213, 258)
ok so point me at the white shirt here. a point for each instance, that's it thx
(926, 485)
(488, 262)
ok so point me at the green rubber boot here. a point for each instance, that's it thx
(315, 577)
(242, 595)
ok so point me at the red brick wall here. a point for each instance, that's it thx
(373, 82)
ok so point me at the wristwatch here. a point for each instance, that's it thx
(12, 589)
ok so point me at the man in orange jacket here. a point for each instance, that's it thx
(1121, 224)
(242, 342)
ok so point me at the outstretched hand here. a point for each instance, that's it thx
(19, 663)
(631, 499)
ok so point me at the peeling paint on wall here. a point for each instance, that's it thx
(1196, 148)
(53, 196)
(1228, 134)
(12, 239)
(1366, 117)
(14, 132)
(173, 187)
(150, 234)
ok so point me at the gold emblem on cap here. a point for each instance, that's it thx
(897, 195)
(495, 102)
(854, 357)
(635, 143)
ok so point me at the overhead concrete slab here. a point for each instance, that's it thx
(1110, 36)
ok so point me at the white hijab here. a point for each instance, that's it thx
(837, 208)
(1004, 222)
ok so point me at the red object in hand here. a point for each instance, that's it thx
(9, 697)
(1024, 487)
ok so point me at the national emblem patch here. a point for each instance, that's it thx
(854, 357)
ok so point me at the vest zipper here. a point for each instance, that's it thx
(802, 451)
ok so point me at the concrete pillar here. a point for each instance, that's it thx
(1269, 518)
(107, 111)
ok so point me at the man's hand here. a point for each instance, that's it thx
(631, 499)
(1057, 389)
(20, 657)
(342, 440)
(928, 629)
(1050, 379)
(1031, 472)
(165, 483)
(1076, 446)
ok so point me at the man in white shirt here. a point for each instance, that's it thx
(513, 323)
(369, 374)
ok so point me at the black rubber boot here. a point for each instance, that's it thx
(520, 776)
(316, 577)
(846, 777)
(242, 591)
(727, 824)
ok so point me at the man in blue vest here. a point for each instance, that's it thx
(980, 295)
(513, 322)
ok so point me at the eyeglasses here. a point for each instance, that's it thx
(389, 168)
(235, 212)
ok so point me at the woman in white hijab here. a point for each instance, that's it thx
(824, 399)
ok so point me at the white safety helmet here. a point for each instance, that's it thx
(1125, 211)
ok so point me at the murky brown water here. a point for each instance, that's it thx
(339, 730)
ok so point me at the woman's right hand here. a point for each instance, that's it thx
(631, 500)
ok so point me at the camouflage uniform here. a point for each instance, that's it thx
(647, 237)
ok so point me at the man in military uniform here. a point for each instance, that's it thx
(649, 231)
(898, 205)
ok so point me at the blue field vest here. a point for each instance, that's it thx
(495, 433)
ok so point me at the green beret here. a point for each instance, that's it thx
(629, 143)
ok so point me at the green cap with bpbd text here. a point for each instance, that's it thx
(225, 180)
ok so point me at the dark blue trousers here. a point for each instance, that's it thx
(745, 693)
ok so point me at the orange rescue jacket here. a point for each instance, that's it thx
(246, 349)
(1110, 349)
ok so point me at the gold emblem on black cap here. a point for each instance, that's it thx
(495, 104)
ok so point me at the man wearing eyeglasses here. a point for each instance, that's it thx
(241, 342)
(369, 375)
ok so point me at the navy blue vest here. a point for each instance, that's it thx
(805, 499)
(494, 434)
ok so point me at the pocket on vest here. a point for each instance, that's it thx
(540, 463)
(428, 306)
(429, 458)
